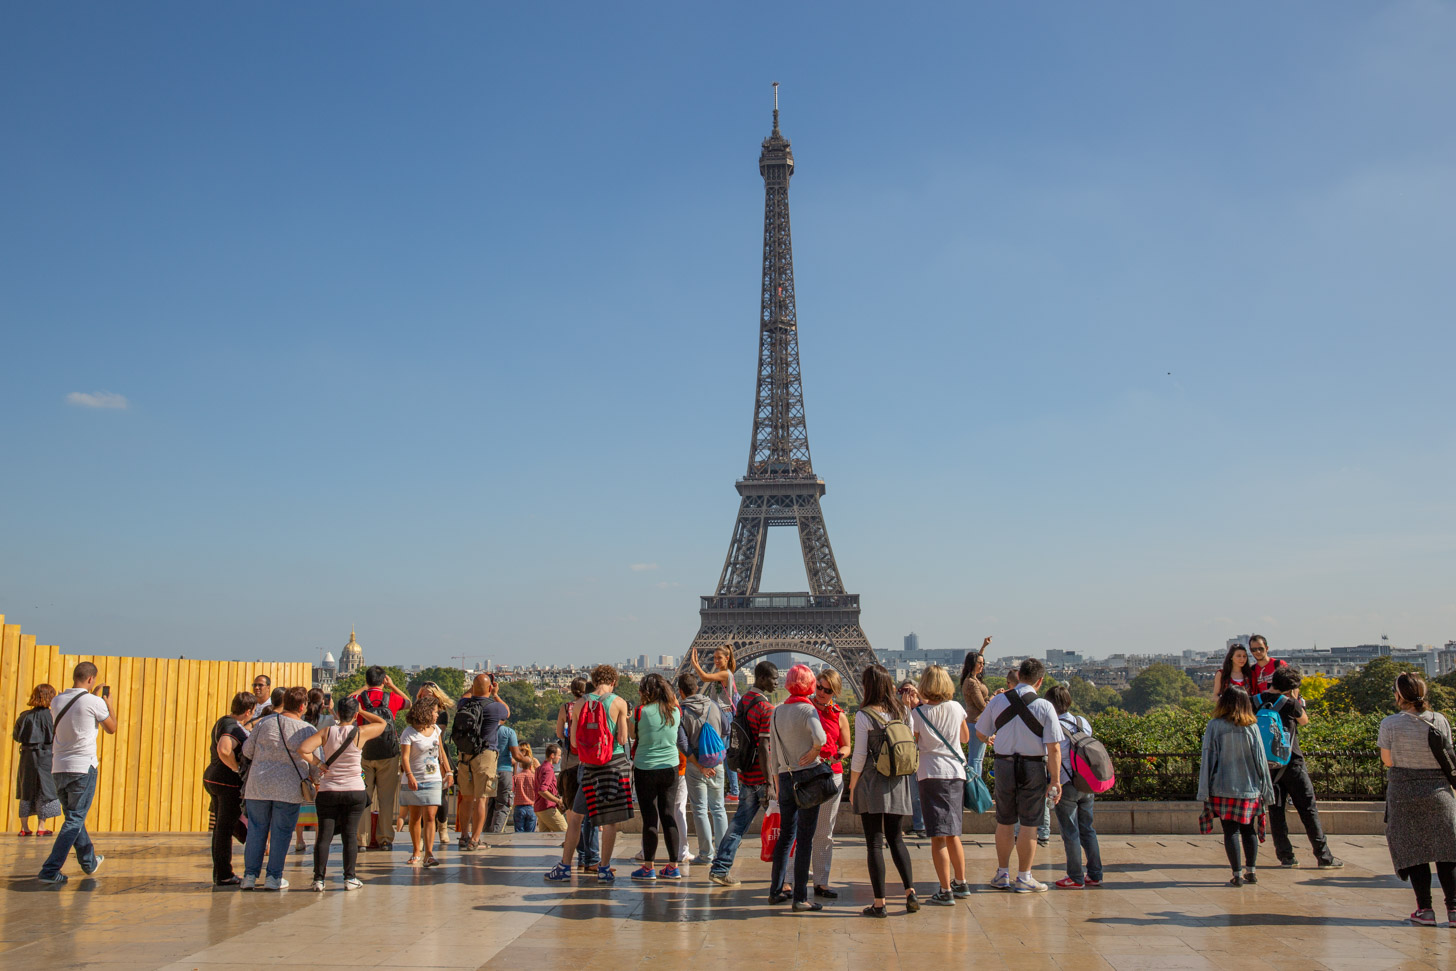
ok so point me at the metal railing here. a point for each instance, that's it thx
(1349, 775)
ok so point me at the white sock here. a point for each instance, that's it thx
(1024, 875)
(1002, 872)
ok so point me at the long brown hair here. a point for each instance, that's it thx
(727, 648)
(655, 689)
(879, 691)
(1236, 706)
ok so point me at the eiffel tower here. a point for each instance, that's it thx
(781, 488)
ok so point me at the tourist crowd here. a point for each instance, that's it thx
(911, 758)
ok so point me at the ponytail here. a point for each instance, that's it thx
(1412, 690)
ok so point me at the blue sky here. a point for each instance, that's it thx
(1123, 328)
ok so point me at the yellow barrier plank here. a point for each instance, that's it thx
(9, 672)
(130, 764)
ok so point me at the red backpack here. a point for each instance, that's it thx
(593, 739)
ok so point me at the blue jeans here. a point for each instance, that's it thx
(730, 780)
(705, 797)
(75, 790)
(750, 800)
(525, 819)
(917, 824)
(796, 825)
(1074, 816)
(270, 822)
(589, 847)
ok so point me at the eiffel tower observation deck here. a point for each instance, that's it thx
(780, 487)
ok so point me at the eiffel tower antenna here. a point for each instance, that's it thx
(780, 487)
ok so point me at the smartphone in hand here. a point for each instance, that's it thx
(106, 691)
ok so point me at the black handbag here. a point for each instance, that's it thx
(814, 786)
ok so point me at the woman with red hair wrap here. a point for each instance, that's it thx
(796, 736)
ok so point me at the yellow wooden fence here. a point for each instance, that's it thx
(151, 769)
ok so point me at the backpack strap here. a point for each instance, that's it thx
(1016, 707)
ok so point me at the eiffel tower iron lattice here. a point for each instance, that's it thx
(780, 488)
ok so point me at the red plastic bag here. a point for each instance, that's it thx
(769, 835)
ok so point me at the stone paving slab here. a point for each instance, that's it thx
(1165, 906)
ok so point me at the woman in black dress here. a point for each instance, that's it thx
(35, 730)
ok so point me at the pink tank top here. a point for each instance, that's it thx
(346, 774)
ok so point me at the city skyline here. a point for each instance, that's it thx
(1123, 331)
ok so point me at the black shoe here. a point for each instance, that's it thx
(1044, 842)
(920, 834)
(826, 893)
(1289, 863)
(1237, 881)
(778, 898)
(232, 881)
(873, 911)
(912, 903)
(801, 905)
(1251, 877)
(1333, 864)
(943, 897)
(959, 888)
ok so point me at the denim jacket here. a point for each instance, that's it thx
(1233, 763)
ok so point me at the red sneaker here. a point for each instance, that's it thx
(1067, 883)
(1092, 883)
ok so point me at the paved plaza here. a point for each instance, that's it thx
(1165, 906)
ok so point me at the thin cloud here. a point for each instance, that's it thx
(667, 584)
(643, 567)
(98, 399)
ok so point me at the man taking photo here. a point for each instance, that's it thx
(74, 766)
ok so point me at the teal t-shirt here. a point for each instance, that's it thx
(657, 738)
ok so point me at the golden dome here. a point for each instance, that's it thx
(353, 646)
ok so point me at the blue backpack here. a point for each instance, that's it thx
(711, 750)
(1278, 746)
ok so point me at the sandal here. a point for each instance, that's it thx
(412, 861)
(44, 832)
(431, 861)
(23, 832)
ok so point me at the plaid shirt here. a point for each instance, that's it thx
(1234, 810)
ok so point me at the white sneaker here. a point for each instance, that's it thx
(249, 882)
(275, 883)
(1028, 885)
(353, 883)
(99, 860)
(1001, 881)
(317, 886)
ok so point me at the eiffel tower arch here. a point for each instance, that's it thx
(780, 487)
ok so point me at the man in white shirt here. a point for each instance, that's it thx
(73, 767)
(1028, 739)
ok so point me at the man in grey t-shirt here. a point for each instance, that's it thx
(79, 714)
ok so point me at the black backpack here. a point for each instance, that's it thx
(468, 732)
(1441, 750)
(386, 745)
(742, 755)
